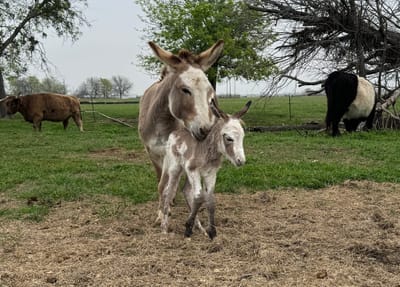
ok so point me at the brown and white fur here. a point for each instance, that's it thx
(180, 99)
(36, 108)
(201, 160)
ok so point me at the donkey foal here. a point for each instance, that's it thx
(200, 160)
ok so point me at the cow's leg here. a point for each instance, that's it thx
(370, 120)
(328, 124)
(78, 121)
(351, 125)
(189, 197)
(37, 122)
(209, 182)
(335, 128)
(65, 123)
(37, 125)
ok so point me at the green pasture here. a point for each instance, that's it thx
(41, 170)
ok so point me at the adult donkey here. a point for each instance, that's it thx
(180, 99)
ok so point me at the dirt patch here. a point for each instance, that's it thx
(119, 154)
(346, 235)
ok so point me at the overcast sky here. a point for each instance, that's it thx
(109, 48)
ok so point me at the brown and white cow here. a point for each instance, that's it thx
(36, 108)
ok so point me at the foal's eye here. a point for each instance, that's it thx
(228, 139)
(186, 91)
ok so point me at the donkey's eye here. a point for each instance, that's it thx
(186, 91)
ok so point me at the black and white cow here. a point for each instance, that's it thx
(349, 97)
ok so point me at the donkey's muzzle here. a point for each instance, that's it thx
(201, 134)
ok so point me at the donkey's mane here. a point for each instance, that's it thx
(164, 72)
(184, 55)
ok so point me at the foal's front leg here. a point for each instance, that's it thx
(209, 182)
(198, 198)
(189, 197)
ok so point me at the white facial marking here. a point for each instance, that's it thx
(234, 130)
(199, 88)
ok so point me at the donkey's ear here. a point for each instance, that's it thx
(244, 110)
(217, 111)
(164, 56)
(207, 58)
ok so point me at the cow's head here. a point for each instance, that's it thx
(11, 104)
(2, 108)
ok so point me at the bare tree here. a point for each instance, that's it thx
(121, 85)
(105, 87)
(316, 37)
(91, 88)
(319, 36)
(52, 85)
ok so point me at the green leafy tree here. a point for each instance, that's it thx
(196, 25)
(25, 23)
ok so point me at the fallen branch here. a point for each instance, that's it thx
(391, 114)
(110, 118)
(308, 126)
(390, 101)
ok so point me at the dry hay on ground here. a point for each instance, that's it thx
(346, 235)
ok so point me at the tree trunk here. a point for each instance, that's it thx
(2, 87)
(2, 95)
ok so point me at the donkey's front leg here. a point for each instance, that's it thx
(168, 184)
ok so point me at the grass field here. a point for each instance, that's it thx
(39, 170)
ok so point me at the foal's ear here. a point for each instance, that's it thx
(164, 56)
(207, 58)
(244, 110)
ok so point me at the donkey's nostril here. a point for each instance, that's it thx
(200, 135)
(203, 133)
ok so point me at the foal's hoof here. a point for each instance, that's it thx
(189, 229)
(188, 232)
(212, 232)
